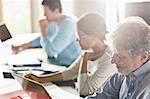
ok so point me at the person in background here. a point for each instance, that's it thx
(130, 45)
(58, 37)
(95, 66)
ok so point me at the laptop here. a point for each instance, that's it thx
(4, 32)
(43, 91)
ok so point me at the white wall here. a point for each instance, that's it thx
(85, 6)
(68, 7)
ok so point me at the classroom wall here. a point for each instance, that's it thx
(138, 9)
(85, 6)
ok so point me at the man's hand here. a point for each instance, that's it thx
(16, 49)
(43, 24)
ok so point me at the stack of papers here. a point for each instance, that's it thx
(52, 67)
(9, 86)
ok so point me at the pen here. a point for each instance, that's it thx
(28, 65)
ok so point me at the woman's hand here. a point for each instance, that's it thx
(84, 63)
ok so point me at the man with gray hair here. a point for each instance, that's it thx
(130, 44)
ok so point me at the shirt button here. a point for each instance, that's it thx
(129, 94)
(132, 84)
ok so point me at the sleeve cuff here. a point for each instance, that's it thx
(44, 41)
(36, 43)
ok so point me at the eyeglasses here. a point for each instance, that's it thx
(119, 55)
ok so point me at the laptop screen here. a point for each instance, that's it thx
(4, 33)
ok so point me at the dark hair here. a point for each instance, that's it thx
(53, 4)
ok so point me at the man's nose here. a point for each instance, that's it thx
(113, 60)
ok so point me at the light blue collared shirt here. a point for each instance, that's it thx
(36, 43)
(134, 86)
(61, 44)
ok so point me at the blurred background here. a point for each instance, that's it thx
(21, 16)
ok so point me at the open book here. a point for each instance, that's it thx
(43, 91)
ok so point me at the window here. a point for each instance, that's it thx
(17, 16)
(67, 6)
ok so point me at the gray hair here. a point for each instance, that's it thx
(92, 24)
(133, 34)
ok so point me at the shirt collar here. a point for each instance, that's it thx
(144, 69)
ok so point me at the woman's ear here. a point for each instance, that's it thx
(144, 56)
